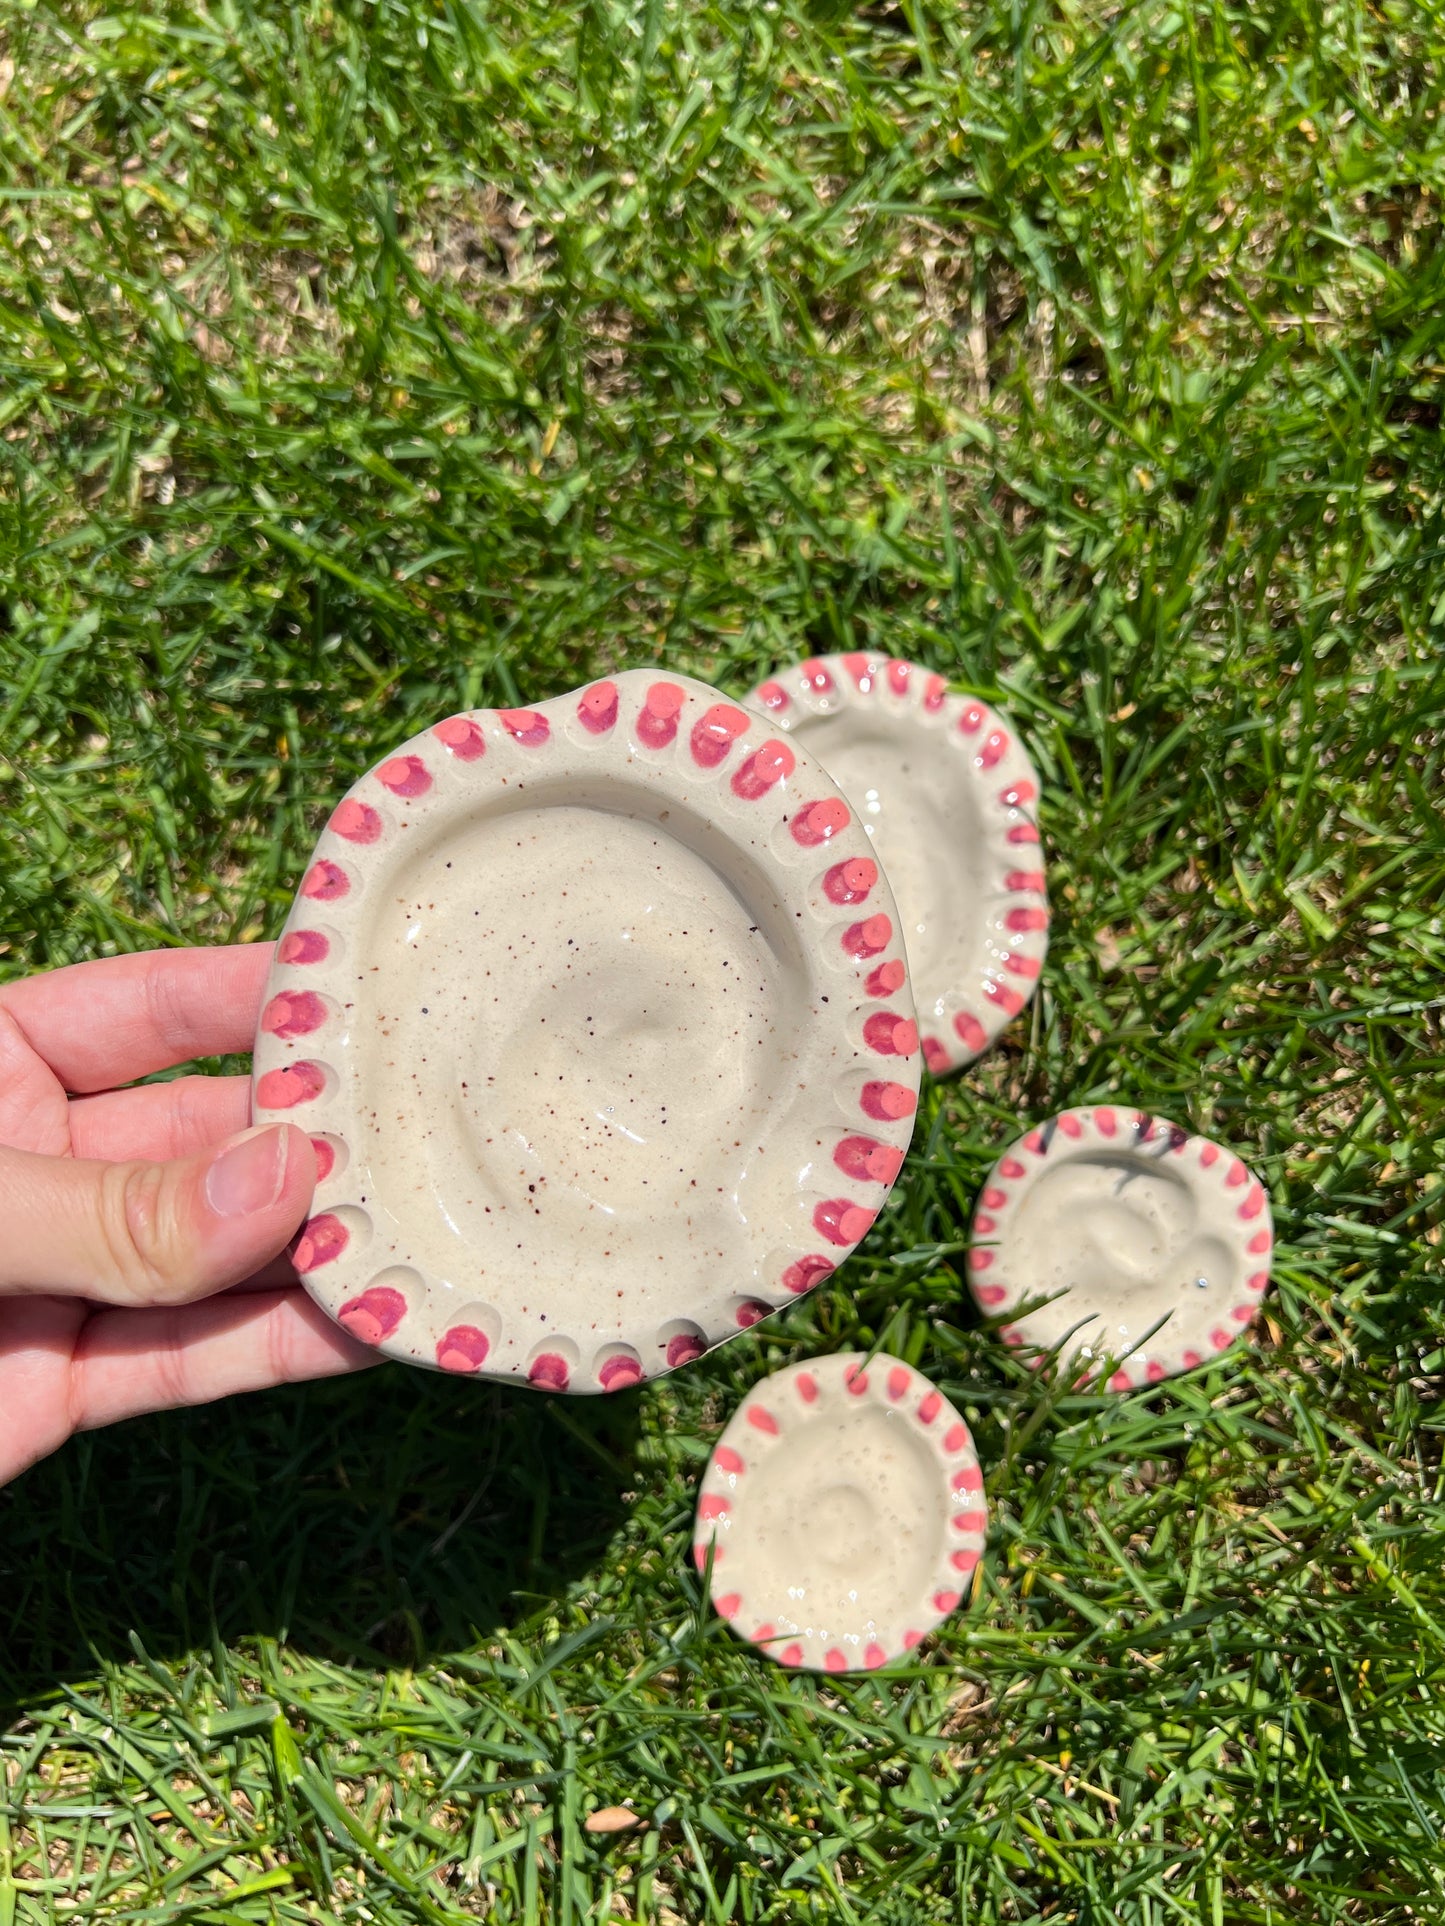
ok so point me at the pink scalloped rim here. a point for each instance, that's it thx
(958, 1020)
(772, 1419)
(764, 796)
(1237, 1199)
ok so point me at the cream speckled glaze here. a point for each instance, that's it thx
(598, 1018)
(1153, 1246)
(949, 795)
(844, 1513)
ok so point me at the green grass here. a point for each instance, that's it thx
(363, 361)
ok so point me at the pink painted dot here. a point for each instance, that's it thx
(619, 1374)
(462, 1349)
(726, 1459)
(324, 882)
(597, 708)
(1106, 1122)
(966, 1478)
(791, 1655)
(874, 1656)
(729, 1605)
(816, 676)
(304, 946)
(929, 1407)
(857, 667)
(1011, 1168)
(1237, 1175)
(1119, 1381)
(374, 1315)
(983, 1224)
(294, 1013)
(856, 1379)
(1034, 1142)
(356, 821)
(1260, 1242)
(657, 724)
(965, 1559)
(934, 692)
(886, 979)
(1020, 920)
(773, 762)
(322, 1240)
(819, 822)
(1258, 1281)
(683, 1349)
(525, 726)
(325, 1158)
(1026, 881)
(761, 1419)
(955, 1438)
(980, 1260)
(1208, 1154)
(971, 1032)
(970, 1521)
(898, 675)
(773, 696)
(1019, 965)
(699, 1555)
(992, 749)
(751, 1311)
(841, 1221)
(714, 734)
(868, 1162)
(898, 1382)
(1070, 1125)
(807, 1387)
(945, 1601)
(990, 1296)
(1008, 1000)
(1190, 1359)
(1154, 1371)
(284, 1089)
(890, 1036)
(1242, 1313)
(887, 1102)
(834, 1660)
(910, 1639)
(868, 937)
(1219, 1338)
(806, 1274)
(549, 1372)
(1253, 1202)
(1021, 833)
(935, 1056)
(405, 776)
(764, 1633)
(995, 1198)
(711, 1505)
(850, 881)
(462, 738)
(1017, 794)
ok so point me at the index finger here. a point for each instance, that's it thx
(104, 1023)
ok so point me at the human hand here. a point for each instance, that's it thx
(142, 1230)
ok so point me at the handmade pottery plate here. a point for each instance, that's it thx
(843, 1511)
(1153, 1246)
(946, 790)
(598, 1017)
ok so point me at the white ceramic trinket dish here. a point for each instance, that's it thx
(947, 791)
(578, 1007)
(1152, 1246)
(843, 1513)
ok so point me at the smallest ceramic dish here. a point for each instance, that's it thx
(1151, 1248)
(844, 1513)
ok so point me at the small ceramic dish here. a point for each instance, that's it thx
(843, 1511)
(946, 790)
(597, 1017)
(1153, 1247)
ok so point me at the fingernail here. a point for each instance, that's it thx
(249, 1174)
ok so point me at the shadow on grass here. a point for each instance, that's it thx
(373, 1520)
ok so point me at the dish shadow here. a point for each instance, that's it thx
(370, 1520)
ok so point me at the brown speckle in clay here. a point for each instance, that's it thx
(1153, 1247)
(843, 1513)
(597, 1072)
(945, 789)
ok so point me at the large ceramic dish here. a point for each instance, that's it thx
(1153, 1247)
(949, 795)
(843, 1512)
(598, 1017)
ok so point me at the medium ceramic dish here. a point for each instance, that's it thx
(946, 790)
(843, 1513)
(598, 1019)
(1153, 1247)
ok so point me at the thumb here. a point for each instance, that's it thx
(149, 1233)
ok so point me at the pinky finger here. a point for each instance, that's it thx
(132, 1361)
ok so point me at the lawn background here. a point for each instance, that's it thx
(359, 362)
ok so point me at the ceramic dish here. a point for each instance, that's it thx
(1153, 1247)
(597, 1017)
(843, 1511)
(945, 789)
